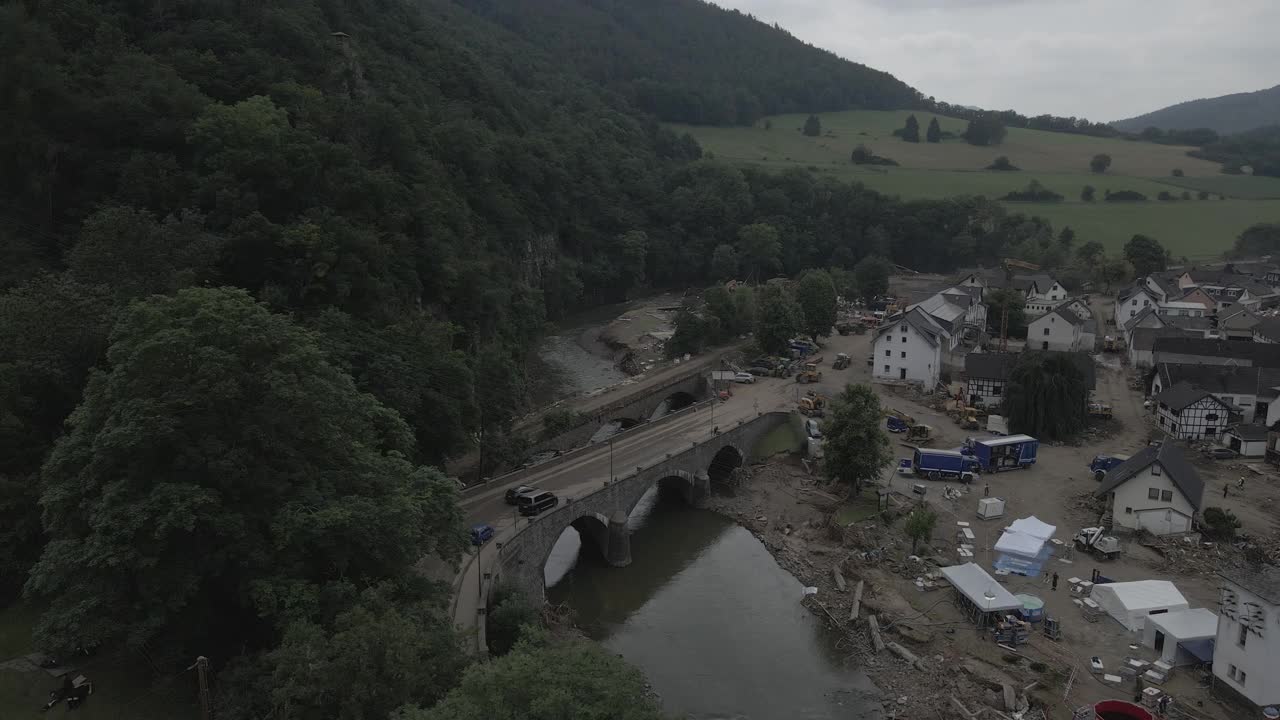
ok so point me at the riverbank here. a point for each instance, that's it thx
(794, 518)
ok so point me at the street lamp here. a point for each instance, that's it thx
(611, 476)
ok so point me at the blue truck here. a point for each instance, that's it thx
(1103, 464)
(944, 464)
(1003, 453)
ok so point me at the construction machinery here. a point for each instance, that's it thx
(1099, 410)
(841, 361)
(897, 421)
(1110, 344)
(967, 418)
(813, 405)
(809, 373)
(1096, 542)
(919, 433)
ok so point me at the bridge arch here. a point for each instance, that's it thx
(677, 400)
(681, 482)
(725, 461)
(625, 423)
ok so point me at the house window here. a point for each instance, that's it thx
(1155, 469)
(1046, 331)
(1044, 345)
(1241, 678)
(1231, 671)
(1210, 432)
(904, 338)
(886, 369)
(904, 355)
(1166, 495)
(1134, 303)
(1173, 427)
(1146, 303)
(1153, 493)
(888, 353)
(1244, 635)
(1162, 420)
(1128, 511)
(996, 390)
(904, 328)
(1132, 313)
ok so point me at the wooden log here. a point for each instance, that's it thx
(835, 573)
(906, 654)
(857, 601)
(875, 633)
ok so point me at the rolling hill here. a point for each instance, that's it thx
(1226, 114)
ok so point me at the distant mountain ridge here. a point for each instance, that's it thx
(1226, 114)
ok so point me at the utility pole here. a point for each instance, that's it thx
(206, 702)
(612, 477)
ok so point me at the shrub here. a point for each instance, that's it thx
(1177, 172)
(506, 622)
(1164, 196)
(1220, 523)
(1126, 196)
(1002, 163)
(1034, 192)
(862, 155)
(560, 420)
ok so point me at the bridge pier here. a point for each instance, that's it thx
(619, 554)
(701, 488)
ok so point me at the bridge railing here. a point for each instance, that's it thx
(515, 475)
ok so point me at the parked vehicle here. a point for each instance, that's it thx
(810, 374)
(481, 534)
(919, 433)
(944, 465)
(896, 421)
(1095, 541)
(1099, 410)
(842, 361)
(1103, 464)
(535, 503)
(1004, 453)
(811, 428)
(513, 494)
(813, 405)
(1221, 453)
(744, 377)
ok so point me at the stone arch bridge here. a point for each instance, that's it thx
(600, 516)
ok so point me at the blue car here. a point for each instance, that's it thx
(481, 534)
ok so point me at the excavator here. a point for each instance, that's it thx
(813, 405)
(897, 421)
(810, 373)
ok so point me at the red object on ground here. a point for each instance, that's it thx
(1121, 710)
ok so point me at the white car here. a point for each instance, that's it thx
(812, 429)
(744, 378)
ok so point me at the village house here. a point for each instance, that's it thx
(1215, 352)
(1248, 439)
(908, 347)
(1040, 293)
(1156, 490)
(1142, 341)
(1246, 651)
(1252, 389)
(1060, 329)
(987, 375)
(1229, 289)
(1237, 324)
(1187, 412)
(1266, 330)
(1131, 301)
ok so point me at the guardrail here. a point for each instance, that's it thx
(515, 475)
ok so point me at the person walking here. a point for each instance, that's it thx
(1225, 488)
(1240, 484)
(986, 490)
(1055, 581)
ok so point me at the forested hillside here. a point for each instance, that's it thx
(690, 61)
(1227, 114)
(263, 264)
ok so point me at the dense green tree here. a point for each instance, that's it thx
(1100, 163)
(217, 473)
(690, 336)
(1066, 237)
(1002, 163)
(1091, 252)
(1006, 307)
(142, 256)
(55, 331)
(1115, 271)
(1087, 193)
(778, 318)
(1047, 396)
(724, 263)
(911, 131)
(934, 133)
(816, 294)
(509, 617)
(378, 654)
(1146, 255)
(1257, 239)
(856, 447)
(985, 129)
(919, 526)
(872, 276)
(563, 680)
(730, 313)
(760, 248)
(812, 126)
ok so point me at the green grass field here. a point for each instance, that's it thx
(1197, 229)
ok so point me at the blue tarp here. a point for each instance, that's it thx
(1024, 564)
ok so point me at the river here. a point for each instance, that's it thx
(710, 617)
(704, 610)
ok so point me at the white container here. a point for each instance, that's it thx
(990, 508)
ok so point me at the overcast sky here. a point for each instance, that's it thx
(1100, 59)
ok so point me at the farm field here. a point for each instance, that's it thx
(1196, 229)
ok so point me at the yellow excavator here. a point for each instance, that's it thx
(813, 405)
(809, 374)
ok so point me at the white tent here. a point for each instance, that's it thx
(1131, 602)
(975, 584)
(1178, 635)
(1033, 526)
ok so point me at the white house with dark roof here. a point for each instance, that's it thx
(1254, 390)
(1131, 301)
(1059, 329)
(1040, 293)
(1237, 324)
(1246, 652)
(1156, 490)
(1248, 439)
(1187, 412)
(1141, 343)
(908, 348)
(987, 375)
